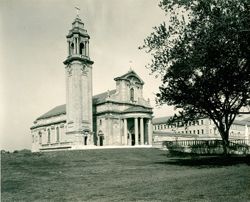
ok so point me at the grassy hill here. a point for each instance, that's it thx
(122, 175)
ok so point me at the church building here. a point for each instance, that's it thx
(119, 117)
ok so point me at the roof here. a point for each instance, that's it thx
(61, 109)
(127, 75)
(137, 109)
(163, 119)
(102, 96)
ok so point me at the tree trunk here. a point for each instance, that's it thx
(225, 142)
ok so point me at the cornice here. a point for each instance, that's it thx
(85, 60)
(121, 103)
(120, 112)
(47, 124)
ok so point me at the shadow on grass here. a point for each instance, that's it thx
(204, 161)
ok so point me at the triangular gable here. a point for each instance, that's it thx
(128, 76)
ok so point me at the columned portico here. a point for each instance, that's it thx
(137, 130)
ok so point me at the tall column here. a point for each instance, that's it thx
(149, 132)
(90, 94)
(142, 131)
(85, 49)
(76, 45)
(125, 125)
(136, 130)
(75, 52)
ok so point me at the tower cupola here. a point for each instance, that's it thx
(78, 42)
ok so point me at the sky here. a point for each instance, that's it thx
(33, 47)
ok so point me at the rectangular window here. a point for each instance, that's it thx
(48, 135)
(198, 132)
(202, 131)
(194, 131)
(40, 138)
(201, 122)
(57, 134)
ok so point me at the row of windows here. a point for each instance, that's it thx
(48, 136)
(57, 135)
(202, 132)
(192, 131)
(163, 126)
(179, 124)
(82, 49)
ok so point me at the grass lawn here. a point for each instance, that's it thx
(122, 175)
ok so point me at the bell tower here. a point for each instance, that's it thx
(78, 72)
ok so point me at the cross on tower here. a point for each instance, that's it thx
(130, 65)
(77, 11)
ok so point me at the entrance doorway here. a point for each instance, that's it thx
(85, 140)
(132, 139)
(101, 140)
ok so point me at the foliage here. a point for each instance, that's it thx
(202, 55)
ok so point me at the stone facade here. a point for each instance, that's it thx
(123, 111)
(120, 117)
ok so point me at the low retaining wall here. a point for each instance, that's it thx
(206, 146)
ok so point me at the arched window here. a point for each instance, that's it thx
(48, 135)
(132, 94)
(72, 48)
(85, 140)
(40, 137)
(81, 48)
(57, 134)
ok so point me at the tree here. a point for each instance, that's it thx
(202, 55)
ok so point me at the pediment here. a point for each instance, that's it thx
(132, 77)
